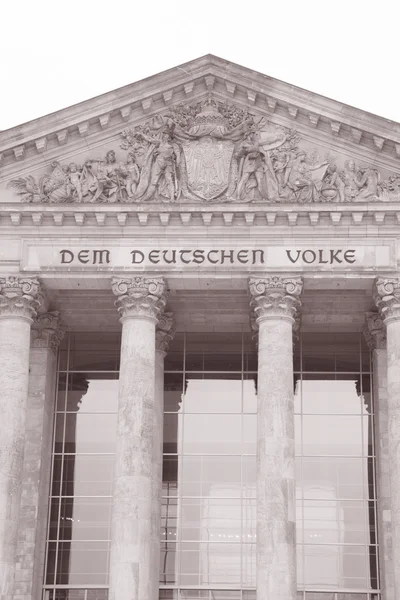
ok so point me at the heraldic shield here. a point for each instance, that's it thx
(208, 162)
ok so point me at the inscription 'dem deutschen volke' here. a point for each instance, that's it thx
(308, 256)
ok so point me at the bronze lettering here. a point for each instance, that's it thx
(172, 260)
(83, 256)
(349, 256)
(137, 254)
(182, 254)
(313, 256)
(261, 253)
(66, 254)
(293, 260)
(198, 256)
(243, 256)
(98, 256)
(214, 262)
(154, 256)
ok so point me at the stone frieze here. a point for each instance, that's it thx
(209, 152)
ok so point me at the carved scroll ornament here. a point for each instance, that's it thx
(209, 152)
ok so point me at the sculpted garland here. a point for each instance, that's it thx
(208, 152)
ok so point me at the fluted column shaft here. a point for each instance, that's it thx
(140, 301)
(387, 298)
(275, 301)
(19, 299)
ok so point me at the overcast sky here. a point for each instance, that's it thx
(54, 54)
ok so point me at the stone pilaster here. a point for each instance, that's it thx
(19, 299)
(375, 335)
(387, 299)
(275, 302)
(140, 301)
(165, 331)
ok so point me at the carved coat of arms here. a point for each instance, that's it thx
(208, 163)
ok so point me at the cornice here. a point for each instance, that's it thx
(114, 110)
(186, 215)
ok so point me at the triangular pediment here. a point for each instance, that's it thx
(208, 131)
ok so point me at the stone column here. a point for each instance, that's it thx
(140, 300)
(164, 333)
(275, 301)
(19, 299)
(387, 298)
(46, 334)
(375, 334)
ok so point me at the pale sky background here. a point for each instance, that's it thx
(54, 54)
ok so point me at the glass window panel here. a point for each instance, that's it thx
(300, 565)
(173, 388)
(249, 570)
(85, 519)
(175, 355)
(213, 434)
(168, 595)
(334, 522)
(249, 434)
(87, 475)
(211, 476)
(346, 596)
(90, 433)
(249, 475)
(171, 435)
(249, 520)
(194, 594)
(332, 434)
(170, 474)
(212, 394)
(327, 394)
(331, 352)
(93, 393)
(211, 519)
(335, 566)
(249, 394)
(83, 563)
(331, 478)
(321, 596)
(97, 595)
(226, 595)
(95, 351)
(213, 563)
(298, 434)
(168, 564)
(51, 563)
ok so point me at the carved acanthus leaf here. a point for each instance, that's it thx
(387, 298)
(19, 297)
(47, 331)
(139, 296)
(275, 297)
(165, 331)
(374, 331)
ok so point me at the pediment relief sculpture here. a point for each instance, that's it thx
(209, 152)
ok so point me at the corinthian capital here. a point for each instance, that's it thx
(47, 331)
(275, 297)
(387, 298)
(139, 296)
(19, 297)
(165, 331)
(375, 331)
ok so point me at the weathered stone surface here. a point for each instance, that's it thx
(46, 334)
(275, 301)
(132, 573)
(387, 298)
(19, 299)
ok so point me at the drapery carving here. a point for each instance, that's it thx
(207, 152)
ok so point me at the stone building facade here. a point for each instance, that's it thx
(200, 345)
